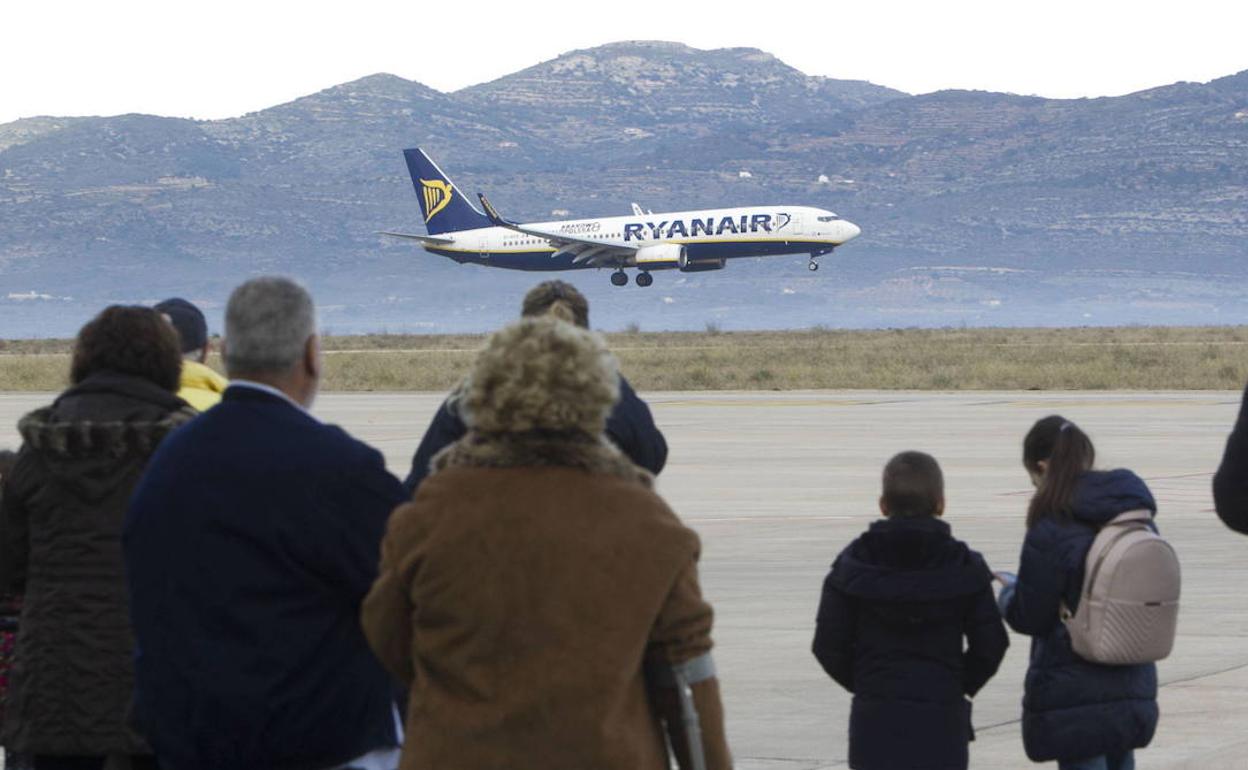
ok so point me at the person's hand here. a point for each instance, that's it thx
(1005, 578)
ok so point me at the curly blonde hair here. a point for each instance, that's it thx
(542, 374)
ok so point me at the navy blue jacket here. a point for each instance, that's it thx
(1073, 709)
(1230, 483)
(249, 545)
(630, 427)
(896, 608)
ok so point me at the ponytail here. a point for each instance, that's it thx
(1069, 453)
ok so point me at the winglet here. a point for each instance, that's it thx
(492, 212)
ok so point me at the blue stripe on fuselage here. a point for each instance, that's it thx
(513, 260)
(545, 261)
(740, 249)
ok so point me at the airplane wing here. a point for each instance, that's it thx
(428, 240)
(583, 250)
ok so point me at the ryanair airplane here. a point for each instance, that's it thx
(689, 241)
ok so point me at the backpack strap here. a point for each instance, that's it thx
(1137, 519)
(1141, 516)
(1133, 519)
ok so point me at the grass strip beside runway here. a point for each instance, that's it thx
(1133, 358)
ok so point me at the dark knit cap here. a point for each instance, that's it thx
(188, 320)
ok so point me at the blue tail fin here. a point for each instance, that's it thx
(444, 206)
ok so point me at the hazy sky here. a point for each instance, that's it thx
(224, 58)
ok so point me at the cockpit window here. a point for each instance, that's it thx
(829, 218)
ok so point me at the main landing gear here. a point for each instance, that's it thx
(620, 278)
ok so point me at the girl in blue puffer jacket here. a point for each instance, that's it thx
(1087, 716)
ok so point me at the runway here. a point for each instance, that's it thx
(778, 483)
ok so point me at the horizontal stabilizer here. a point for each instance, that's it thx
(429, 240)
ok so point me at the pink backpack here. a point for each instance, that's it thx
(1129, 607)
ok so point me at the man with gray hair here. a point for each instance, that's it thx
(250, 544)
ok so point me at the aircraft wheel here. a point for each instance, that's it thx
(813, 266)
(644, 279)
(619, 278)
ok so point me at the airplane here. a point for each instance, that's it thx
(688, 241)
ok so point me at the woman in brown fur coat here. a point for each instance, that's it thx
(537, 583)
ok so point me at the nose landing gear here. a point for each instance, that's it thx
(813, 265)
(644, 279)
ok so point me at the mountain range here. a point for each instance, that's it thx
(976, 208)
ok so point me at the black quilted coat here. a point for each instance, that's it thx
(60, 540)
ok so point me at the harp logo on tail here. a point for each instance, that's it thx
(437, 196)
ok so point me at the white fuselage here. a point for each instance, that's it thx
(706, 235)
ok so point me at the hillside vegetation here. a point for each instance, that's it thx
(988, 209)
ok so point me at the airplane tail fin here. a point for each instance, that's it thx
(445, 208)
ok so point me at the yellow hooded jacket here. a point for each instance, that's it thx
(201, 387)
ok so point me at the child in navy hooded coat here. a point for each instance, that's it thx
(897, 607)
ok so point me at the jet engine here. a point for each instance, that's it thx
(665, 256)
(700, 265)
(661, 256)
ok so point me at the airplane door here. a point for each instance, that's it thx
(798, 225)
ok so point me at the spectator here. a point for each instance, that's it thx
(1230, 483)
(201, 386)
(533, 575)
(630, 425)
(1085, 715)
(10, 605)
(249, 546)
(896, 608)
(60, 542)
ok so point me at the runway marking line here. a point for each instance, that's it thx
(1111, 398)
(781, 402)
(810, 517)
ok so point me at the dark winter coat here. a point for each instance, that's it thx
(896, 608)
(1073, 709)
(250, 545)
(1230, 483)
(630, 427)
(72, 683)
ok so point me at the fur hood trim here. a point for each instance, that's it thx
(540, 450)
(43, 433)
